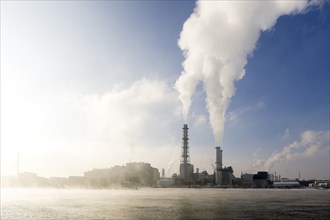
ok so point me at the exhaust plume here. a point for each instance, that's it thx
(216, 41)
(310, 143)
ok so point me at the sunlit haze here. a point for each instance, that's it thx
(94, 84)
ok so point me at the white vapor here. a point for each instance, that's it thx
(309, 144)
(135, 122)
(216, 41)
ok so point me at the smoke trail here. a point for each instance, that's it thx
(310, 143)
(216, 40)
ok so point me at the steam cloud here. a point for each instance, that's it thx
(216, 41)
(310, 142)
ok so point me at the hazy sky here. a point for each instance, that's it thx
(93, 84)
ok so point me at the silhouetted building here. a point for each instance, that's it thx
(133, 174)
(25, 179)
(227, 176)
(77, 181)
(59, 182)
(165, 182)
(261, 179)
(247, 180)
(204, 178)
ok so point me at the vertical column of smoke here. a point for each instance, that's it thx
(216, 40)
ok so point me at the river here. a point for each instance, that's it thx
(165, 204)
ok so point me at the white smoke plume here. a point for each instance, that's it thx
(216, 41)
(310, 143)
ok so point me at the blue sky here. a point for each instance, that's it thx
(289, 74)
(91, 84)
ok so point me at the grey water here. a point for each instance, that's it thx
(165, 204)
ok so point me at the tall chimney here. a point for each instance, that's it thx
(186, 169)
(185, 148)
(218, 166)
(218, 159)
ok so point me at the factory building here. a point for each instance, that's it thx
(247, 180)
(261, 179)
(227, 176)
(165, 182)
(133, 174)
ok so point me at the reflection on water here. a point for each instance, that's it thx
(164, 204)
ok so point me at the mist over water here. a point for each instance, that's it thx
(165, 204)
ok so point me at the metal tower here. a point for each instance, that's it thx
(186, 169)
(185, 149)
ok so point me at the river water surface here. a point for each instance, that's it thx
(165, 204)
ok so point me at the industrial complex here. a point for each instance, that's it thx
(135, 175)
(222, 176)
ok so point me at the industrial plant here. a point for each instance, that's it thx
(222, 176)
(135, 175)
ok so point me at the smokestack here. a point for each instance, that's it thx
(218, 166)
(218, 159)
(163, 172)
(186, 169)
(185, 150)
